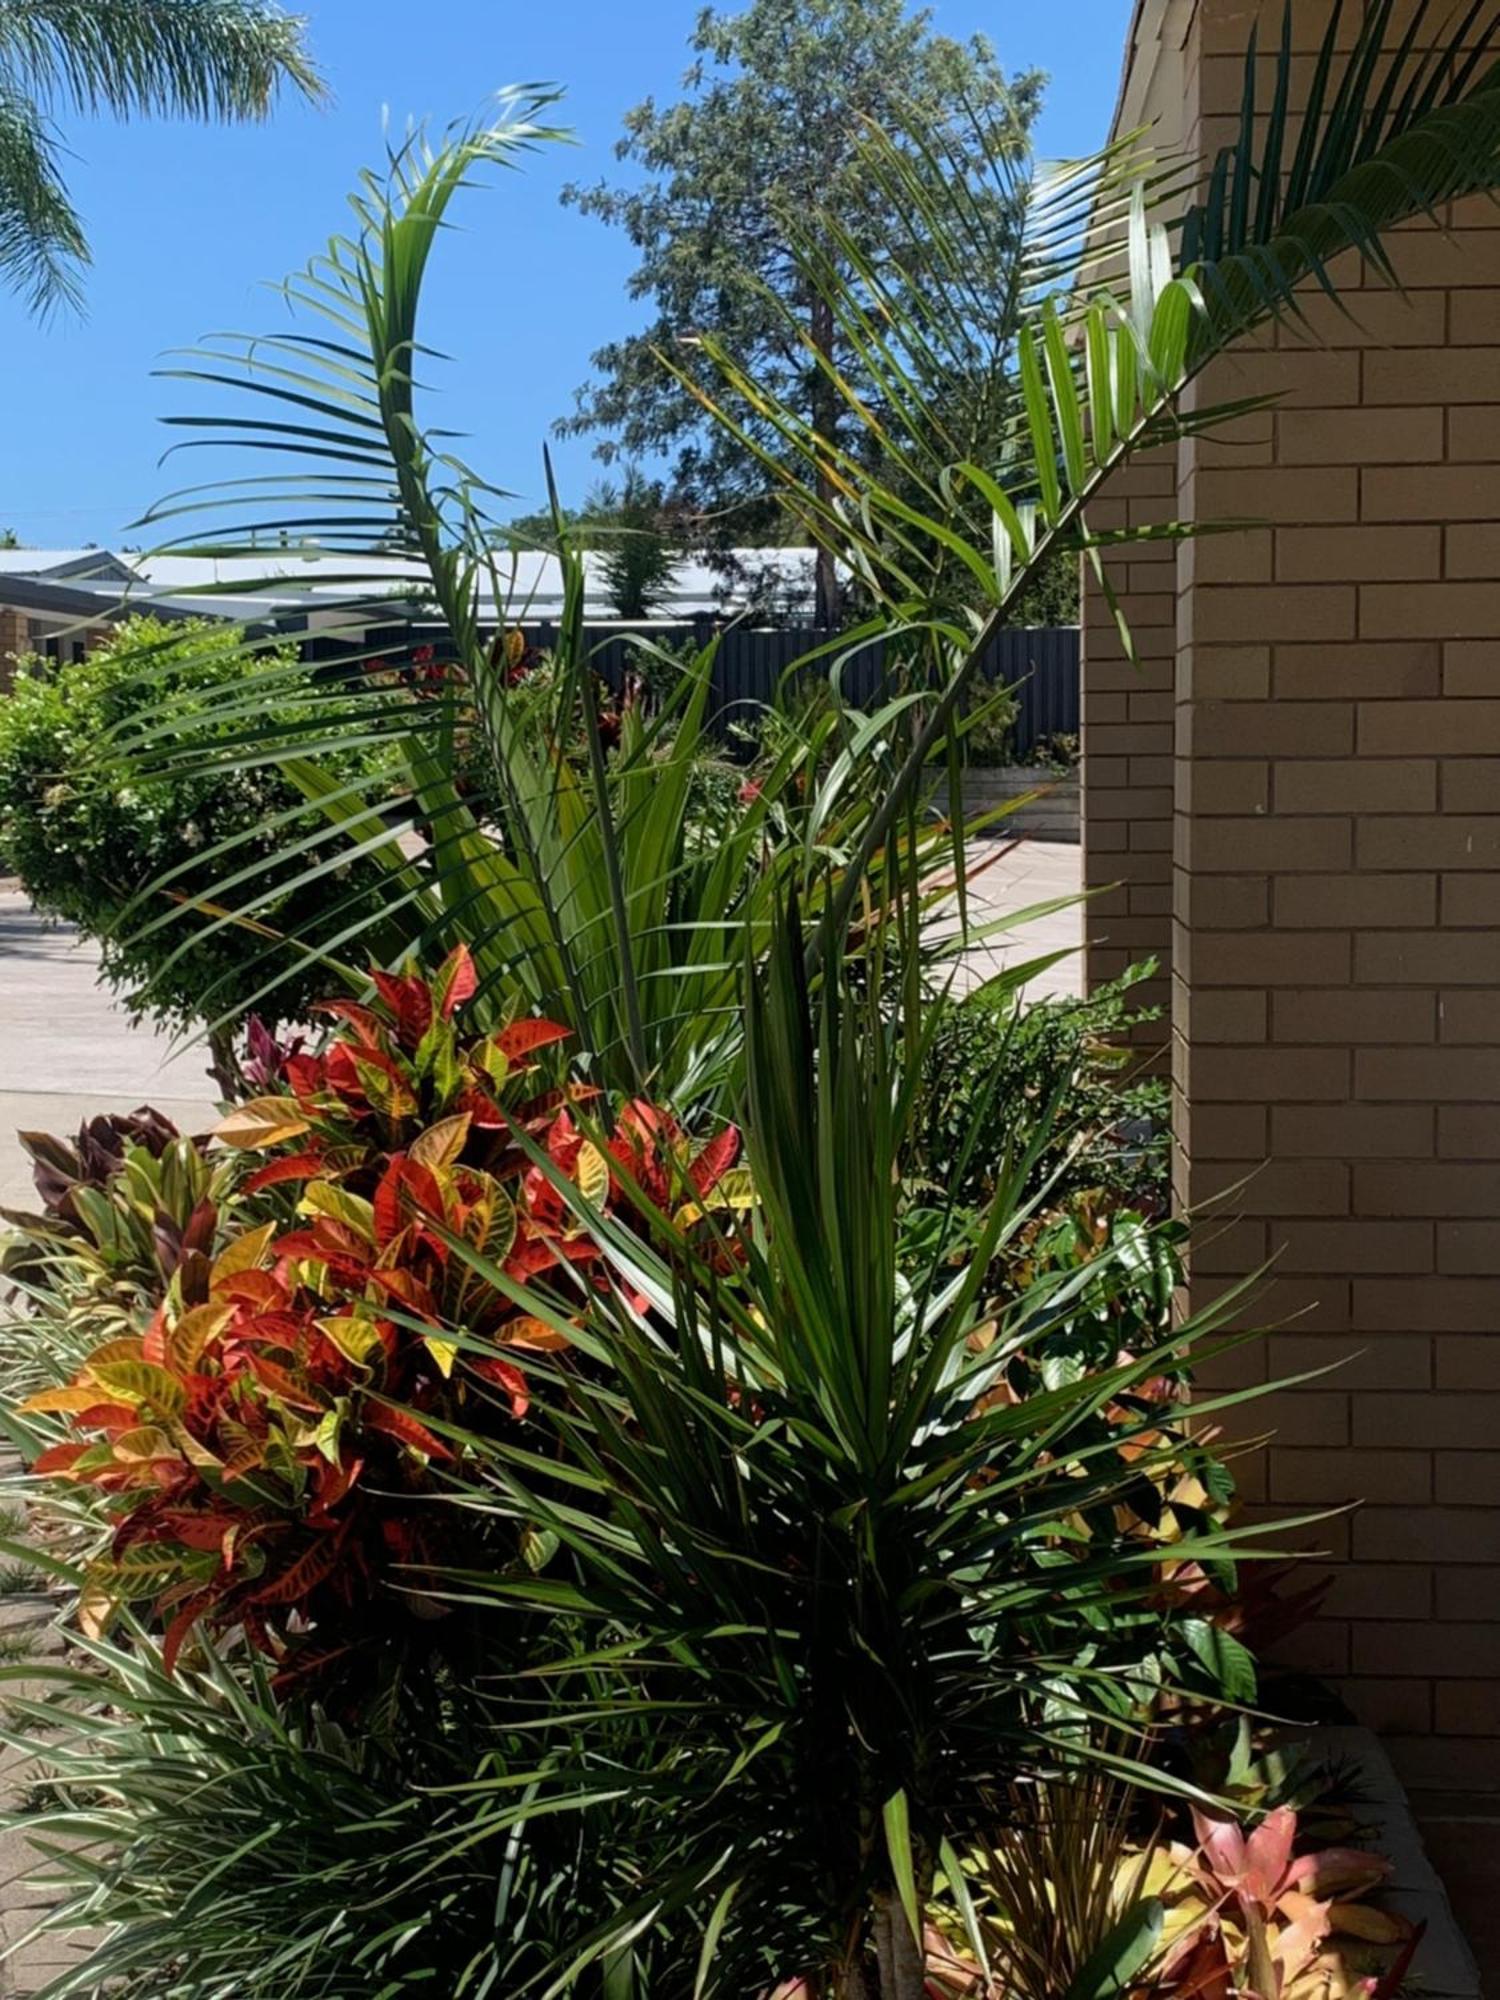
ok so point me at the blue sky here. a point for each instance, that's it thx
(187, 222)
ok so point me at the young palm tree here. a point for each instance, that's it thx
(206, 59)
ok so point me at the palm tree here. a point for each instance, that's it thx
(205, 59)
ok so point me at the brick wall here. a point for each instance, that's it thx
(1127, 742)
(14, 638)
(1336, 953)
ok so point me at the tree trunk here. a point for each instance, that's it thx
(825, 408)
(223, 1067)
(852, 1983)
(902, 1968)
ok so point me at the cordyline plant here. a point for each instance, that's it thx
(813, 1530)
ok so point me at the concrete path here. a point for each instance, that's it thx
(67, 1049)
(1010, 880)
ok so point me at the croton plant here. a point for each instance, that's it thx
(270, 1444)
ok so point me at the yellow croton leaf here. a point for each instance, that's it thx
(47, 1402)
(127, 1347)
(261, 1121)
(245, 1253)
(97, 1607)
(145, 1444)
(355, 1337)
(323, 1198)
(193, 1333)
(443, 1352)
(141, 1382)
(592, 1173)
(441, 1144)
(734, 1191)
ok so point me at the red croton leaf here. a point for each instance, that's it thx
(456, 982)
(58, 1459)
(402, 1425)
(180, 1627)
(282, 1383)
(509, 1378)
(529, 1258)
(333, 1483)
(259, 1291)
(409, 1000)
(482, 1110)
(715, 1160)
(408, 1192)
(364, 1022)
(295, 1167)
(111, 1417)
(305, 1076)
(314, 1566)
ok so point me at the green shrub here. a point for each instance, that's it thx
(86, 840)
(1109, 1124)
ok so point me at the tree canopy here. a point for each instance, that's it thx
(775, 105)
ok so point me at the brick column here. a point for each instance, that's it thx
(1337, 957)
(1127, 743)
(14, 638)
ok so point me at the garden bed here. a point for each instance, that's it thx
(1445, 1967)
(1050, 808)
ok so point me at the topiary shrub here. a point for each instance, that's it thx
(86, 841)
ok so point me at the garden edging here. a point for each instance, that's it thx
(1049, 808)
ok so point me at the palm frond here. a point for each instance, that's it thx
(207, 59)
(43, 250)
(1154, 284)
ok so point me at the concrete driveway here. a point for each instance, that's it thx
(67, 1049)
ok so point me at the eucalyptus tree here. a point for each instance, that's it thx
(769, 130)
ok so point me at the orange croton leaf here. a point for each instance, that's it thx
(261, 1122)
(522, 1037)
(402, 1425)
(533, 1333)
(294, 1167)
(509, 1378)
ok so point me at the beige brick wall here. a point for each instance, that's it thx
(1335, 954)
(14, 639)
(1127, 741)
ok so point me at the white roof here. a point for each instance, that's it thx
(282, 581)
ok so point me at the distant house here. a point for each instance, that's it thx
(53, 601)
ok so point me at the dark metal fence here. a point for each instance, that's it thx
(1040, 664)
(751, 663)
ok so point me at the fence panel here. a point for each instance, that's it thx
(1040, 663)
